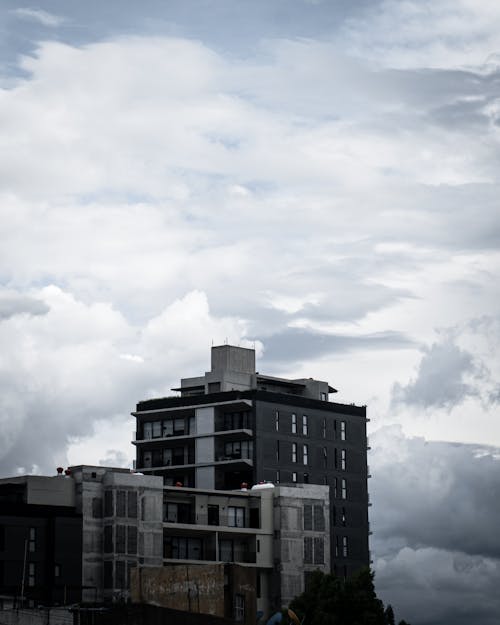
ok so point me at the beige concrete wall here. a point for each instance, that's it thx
(192, 588)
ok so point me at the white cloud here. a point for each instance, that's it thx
(39, 15)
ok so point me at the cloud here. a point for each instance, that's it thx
(39, 15)
(440, 381)
(297, 344)
(12, 303)
(62, 372)
(435, 506)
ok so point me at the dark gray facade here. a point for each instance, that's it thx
(233, 425)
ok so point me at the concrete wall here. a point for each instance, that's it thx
(193, 588)
(46, 616)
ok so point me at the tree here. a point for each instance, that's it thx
(389, 615)
(329, 600)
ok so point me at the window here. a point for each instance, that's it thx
(168, 428)
(343, 459)
(277, 451)
(121, 503)
(306, 478)
(305, 425)
(147, 459)
(108, 503)
(342, 431)
(179, 427)
(181, 548)
(335, 458)
(32, 539)
(96, 507)
(57, 570)
(148, 430)
(343, 520)
(31, 573)
(344, 489)
(325, 457)
(336, 546)
(294, 452)
(277, 420)
(213, 514)
(319, 550)
(319, 518)
(294, 423)
(108, 538)
(277, 477)
(132, 540)
(323, 430)
(324, 397)
(132, 504)
(226, 550)
(344, 547)
(235, 516)
(239, 608)
(305, 454)
(156, 429)
(120, 538)
(308, 518)
(308, 550)
(334, 485)
(294, 477)
(239, 449)
(120, 574)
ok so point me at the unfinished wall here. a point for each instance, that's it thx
(193, 588)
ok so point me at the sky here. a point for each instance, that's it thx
(317, 178)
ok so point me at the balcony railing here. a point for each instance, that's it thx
(204, 519)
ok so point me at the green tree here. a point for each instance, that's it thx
(329, 600)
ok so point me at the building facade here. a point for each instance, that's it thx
(233, 425)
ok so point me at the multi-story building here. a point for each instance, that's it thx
(234, 425)
(75, 537)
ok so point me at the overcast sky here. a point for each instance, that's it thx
(317, 177)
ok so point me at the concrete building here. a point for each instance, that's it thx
(84, 536)
(75, 537)
(40, 542)
(233, 425)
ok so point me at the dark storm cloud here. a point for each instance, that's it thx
(434, 516)
(15, 304)
(435, 494)
(440, 381)
(295, 344)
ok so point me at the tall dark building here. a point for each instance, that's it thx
(234, 425)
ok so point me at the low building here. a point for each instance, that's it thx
(98, 527)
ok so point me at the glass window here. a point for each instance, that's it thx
(148, 430)
(308, 517)
(319, 518)
(31, 574)
(305, 454)
(345, 548)
(213, 514)
(239, 608)
(294, 452)
(294, 423)
(179, 428)
(343, 520)
(308, 550)
(324, 397)
(324, 428)
(342, 431)
(32, 540)
(325, 457)
(168, 428)
(306, 478)
(132, 540)
(277, 420)
(343, 459)
(277, 451)
(305, 425)
(334, 485)
(344, 489)
(156, 429)
(121, 503)
(319, 550)
(277, 477)
(147, 459)
(235, 516)
(294, 477)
